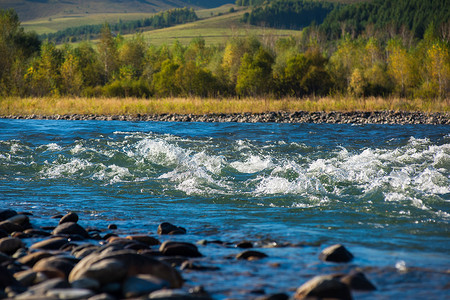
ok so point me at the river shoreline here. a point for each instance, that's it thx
(358, 117)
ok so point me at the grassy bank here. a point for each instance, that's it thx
(133, 106)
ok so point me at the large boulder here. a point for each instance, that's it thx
(71, 228)
(324, 287)
(122, 264)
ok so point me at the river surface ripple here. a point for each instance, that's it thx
(382, 190)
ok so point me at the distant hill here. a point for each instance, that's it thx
(38, 9)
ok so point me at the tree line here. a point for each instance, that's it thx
(305, 65)
(355, 19)
(162, 19)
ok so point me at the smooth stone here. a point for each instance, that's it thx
(145, 239)
(42, 288)
(84, 252)
(3, 233)
(279, 296)
(20, 219)
(60, 264)
(4, 257)
(113, 288)
(244, 245)
(177, 295)
(251, 255)
(112, 226)
(6, 214)
(33, 258)
(189, 265)
(102, 296)
(86, 283)
(104, 271)
(358, 281)
(10, 245)
(6, 278)
(169, 248)
(336, 253)
(131, 264)
(26, 278)
(10, 227)
(50, 244)
(21, 252)
(70, 294)
(71, 228)
(324, 287)
(69, 217)
(168, 228)
(142, 284)
(36, 232)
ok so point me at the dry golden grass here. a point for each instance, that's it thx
(134, 106)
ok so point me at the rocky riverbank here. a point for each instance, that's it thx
(68, 261)
(375, 117)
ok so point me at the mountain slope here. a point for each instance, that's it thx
(36, 9)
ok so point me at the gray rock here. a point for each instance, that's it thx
(42, 288)
(50, 264)
(6, 279)
(145, 239)
(9, 245)
(358, 281)
(128, 262)
(170, 248)
(6, 214)
(168, 228)
(33, 258)
(10, 227)
(323, 287)
(20, 219)
(251, 255)
(70, 217)
(70, 294)
(336, 253)
(102, 296)
(71, 228)
(26, 278)
(50, 244)
(86, 283)
(142, 284)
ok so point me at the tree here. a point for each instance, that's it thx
(255, 74)
(439, 67)
(107, 49)
(400, 67)
(165, 82)
(71, 76)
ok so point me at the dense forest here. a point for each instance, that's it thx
(292, 14)
(160, 20)
(356, 18)
(307, 64)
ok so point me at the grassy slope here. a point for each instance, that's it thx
(215, 30)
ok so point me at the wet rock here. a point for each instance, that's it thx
(71, 228)
(177, 295)
(50, 244)
(170, 248)
(33, 258)
(358, 281)
(336, 253)
(36, 232)
(83, 251)
(21, 252)
(26, 278)
(10, 245)
(70, 294)
(3, 233)
(279, 296)
(6, 278)
(69, 217)
(42, 288)
(168, 228)
(21, 220)
(6, 214)
(142, 284)
(145, 239)
(323, 287)
(189, 265)
(10, 227)
(102, 296)
(112, 288)
(244, 245)
(251, 255)
(121, 264)
(54, 265)
(86, 283)
(112, 226)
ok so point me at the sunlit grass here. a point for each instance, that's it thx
(199, 106)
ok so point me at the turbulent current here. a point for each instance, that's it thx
(382, 190)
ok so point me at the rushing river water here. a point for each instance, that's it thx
(382, 190)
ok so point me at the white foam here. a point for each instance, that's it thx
(253, 164)
(113, 174)
(65, 169)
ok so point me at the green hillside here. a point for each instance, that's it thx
(44, 9)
